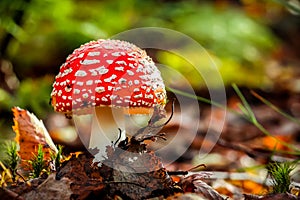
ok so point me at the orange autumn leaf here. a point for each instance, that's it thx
(249, 186)
(30, 132)
(224, 191)
(274, 142)
(176, 179)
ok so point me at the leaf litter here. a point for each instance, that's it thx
(145, 176)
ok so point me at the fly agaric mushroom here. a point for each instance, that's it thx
(108, 79)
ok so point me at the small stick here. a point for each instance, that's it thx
(187, 171)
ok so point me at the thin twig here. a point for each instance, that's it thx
(169, 119)
(119, 137)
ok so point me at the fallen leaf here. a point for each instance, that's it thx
(273, 142)
(195, 183)
(137, 173)
(86, 180)
(30, 132)
(51, 189)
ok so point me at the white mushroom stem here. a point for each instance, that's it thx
(106, 122)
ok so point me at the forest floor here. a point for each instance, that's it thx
(236, 163)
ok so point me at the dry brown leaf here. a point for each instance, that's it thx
(195, 183)
(30, 132)
(39, 188)
(86, 180)
(139, 177)
(137, 173)
(51, 189)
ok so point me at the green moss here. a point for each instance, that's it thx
(280, 174)
(38, 163)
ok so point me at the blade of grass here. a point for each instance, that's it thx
(275, 108)
(192, 96)
(244, 110)
(246, 107)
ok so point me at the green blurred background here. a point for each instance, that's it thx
(255, 43)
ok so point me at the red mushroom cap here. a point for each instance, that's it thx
(107, 73)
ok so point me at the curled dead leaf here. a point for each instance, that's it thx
(30, 132)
